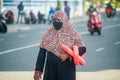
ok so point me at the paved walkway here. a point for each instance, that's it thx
(98, 75)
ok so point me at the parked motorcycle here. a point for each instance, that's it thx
(9, 17)
(94, 25)
(32, 18)
(26, 18)
(3, 26)
(41, 18)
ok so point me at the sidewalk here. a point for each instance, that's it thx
(98, 75)
(21, 27)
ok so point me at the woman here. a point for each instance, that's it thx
(59, 65)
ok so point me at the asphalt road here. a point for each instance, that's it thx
(19, 50)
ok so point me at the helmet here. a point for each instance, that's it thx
(91, 5)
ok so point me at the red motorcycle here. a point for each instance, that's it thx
(9, 16)
(95, 24)
(108, 12)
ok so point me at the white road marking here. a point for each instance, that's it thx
(20, 48)
(111, 26)
(100, 49)
(1, 39)
(85, 32)
(117, 42)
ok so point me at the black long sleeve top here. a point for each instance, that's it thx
(42, 55)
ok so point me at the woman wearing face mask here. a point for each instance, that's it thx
(57, 64)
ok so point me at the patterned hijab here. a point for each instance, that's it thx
(53, 39)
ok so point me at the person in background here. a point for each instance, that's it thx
(113, 4)
(52, 60)
(90, 11)
(9, 17)
(20, 11)
(108, 5)
(67, 9)
(51, 13)
(41, 17)
(33, 18)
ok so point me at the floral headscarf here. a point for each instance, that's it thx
(53, 39)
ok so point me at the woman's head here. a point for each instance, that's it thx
(59, 19)
(61, 16)
(91, 5)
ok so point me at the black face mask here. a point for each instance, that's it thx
(57, 25)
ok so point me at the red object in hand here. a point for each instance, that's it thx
(78, 60)
(76, 55)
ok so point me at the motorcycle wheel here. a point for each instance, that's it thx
(3, 28)
(91, 32)
(99, 32)
(108, 15)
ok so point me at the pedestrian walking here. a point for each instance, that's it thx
(52, 60)
(20, 11)
(67, 9)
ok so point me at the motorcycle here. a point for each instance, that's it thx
(33, 18)
(9, 17)
(3, 26)
(94, 25)
(26, 18)
(41, 18)
(110, 12)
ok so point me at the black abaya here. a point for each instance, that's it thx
(54, 68)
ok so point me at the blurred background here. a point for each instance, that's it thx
(20, 40)
(78, 7)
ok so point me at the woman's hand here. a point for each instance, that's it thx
(63, 57)
(37, 76)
